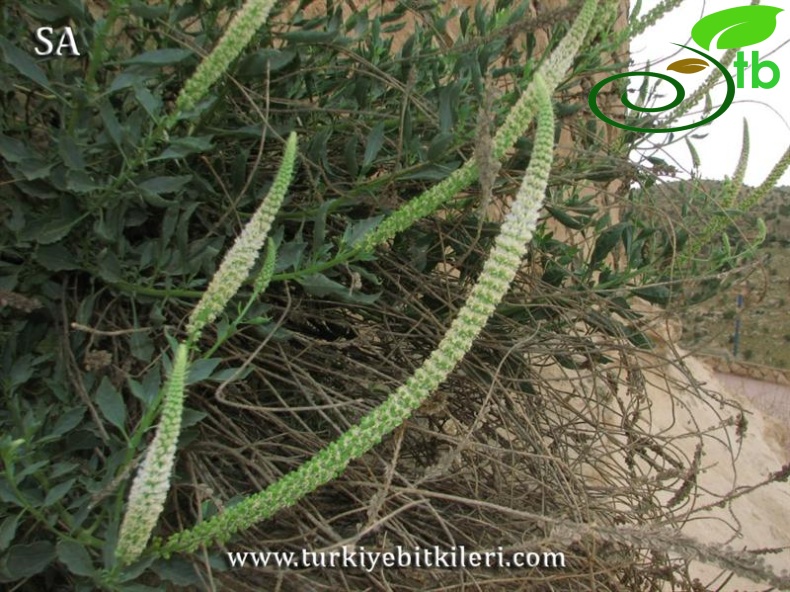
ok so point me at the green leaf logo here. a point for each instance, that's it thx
(741, 26)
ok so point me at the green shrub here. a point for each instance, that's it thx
(124, 179)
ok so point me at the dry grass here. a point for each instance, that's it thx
(543, 424)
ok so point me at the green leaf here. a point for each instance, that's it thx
(350, 156)
(81, 182)
(149, 102)
(160, 57)
(21, 371)
(357, 230)
(13, 150)
(319, 225)
(24, 64)
(111, 123)
(741, 26)
(185, 146)
(310, 37)
(36, 168)
(639, 339)
(149, 12)
(159, 185)
(231, 374)
(607, 241)
(191, 417)
(68, 421)
(438, 147)
(125, 80)
(109, 267)
(201, 370)
(254, 66)
(433, 172)
(58, 492)
(111, 404)
(55, 230)
(321, 286)
(373, 144)
(32, 469)
(24, 561)
(654, 294)
(480, 18)
(290, 255)
(63, 468)
(7, 495)
(75, 557)
(70, 153)
(567, 220)
(148, 389)
(178, 571)
(141, 346)
(8, 530)
(48, 13)
(448, 107)
(56, 258)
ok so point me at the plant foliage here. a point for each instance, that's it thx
(128, 171)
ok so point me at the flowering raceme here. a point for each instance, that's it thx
(238, 262)
(238, 34)
(150, 487)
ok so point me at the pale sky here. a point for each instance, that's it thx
(767, 111)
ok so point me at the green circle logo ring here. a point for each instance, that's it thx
(680, 95)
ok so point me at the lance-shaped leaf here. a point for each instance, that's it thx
(739, 26)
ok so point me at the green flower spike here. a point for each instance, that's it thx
(241, 257)
(726, 201)
(756, 196)
(150, 486)
(238, 34)
(516, 122)
(498, 272)
(264, 277)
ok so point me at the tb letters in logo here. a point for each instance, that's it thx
(737, 27)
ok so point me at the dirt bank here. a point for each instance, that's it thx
(768, 397)
(762, 515)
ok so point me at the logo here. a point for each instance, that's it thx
(739, 27)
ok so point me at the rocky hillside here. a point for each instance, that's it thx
(763, 282)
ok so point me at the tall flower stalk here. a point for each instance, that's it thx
(238, 262)
(718, 224)
(240, 31)
(149, 489)
(514, 126)
(498, 273)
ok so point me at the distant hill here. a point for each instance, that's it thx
(765, 316)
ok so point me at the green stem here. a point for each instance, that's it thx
(340, 259)
(98, 51)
